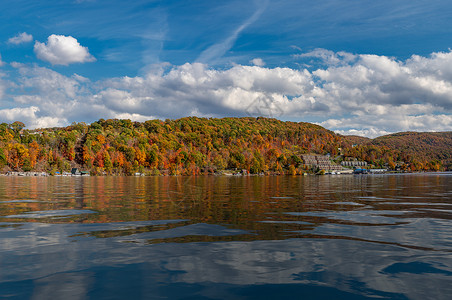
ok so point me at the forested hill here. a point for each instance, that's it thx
(424, 146)
(193, 146)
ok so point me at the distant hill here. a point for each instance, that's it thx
(356, 139)
(416, 146)
(422, 145)
(194, 146)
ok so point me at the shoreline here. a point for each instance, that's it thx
(45, 174)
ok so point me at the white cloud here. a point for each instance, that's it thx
(368, 132)
(47, 83)
(382, 80)
(50, 98)
(258, 62)
(329, 57)
(80, 78)
(196, 88)
(1, 62)
(133, 117)
(372, 126)
(21, 38)
(360, 94)
(368, 95)
(47, 122)
(31, 117)
(15, 114)
(119, 100)
(62, 50)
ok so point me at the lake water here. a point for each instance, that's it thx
(283, 237)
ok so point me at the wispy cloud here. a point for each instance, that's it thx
(328, 57)
(154, 36)
(219, 49)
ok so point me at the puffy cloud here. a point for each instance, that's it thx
(21, 38)
(373, 126)
(48, 97)
(352, 94)
(198, 89)
(47, 83)
(258, 62)
(30, 115)
(14, 114)
(359, 94)
(47, 122)
(133, 117)
(382, 80)
(364, 86)
(62, 50)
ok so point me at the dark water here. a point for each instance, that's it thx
(312, 237)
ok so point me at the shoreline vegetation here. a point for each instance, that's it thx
(210, 146)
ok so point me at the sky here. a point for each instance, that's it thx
(365, 68)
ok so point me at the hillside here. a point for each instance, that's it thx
(421, 145)
(417, 147)
(193, 146)
(357, 140)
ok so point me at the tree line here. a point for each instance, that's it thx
(196, 146)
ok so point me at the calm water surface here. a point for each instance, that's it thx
(312, 237)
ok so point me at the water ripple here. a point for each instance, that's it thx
(50, 214)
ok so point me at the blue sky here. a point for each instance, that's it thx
(355, 67)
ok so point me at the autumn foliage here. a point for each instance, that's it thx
(194, 146)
